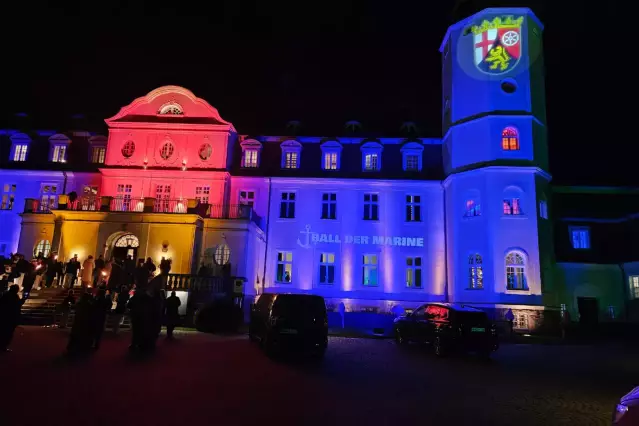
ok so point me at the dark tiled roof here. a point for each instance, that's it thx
(596, 205)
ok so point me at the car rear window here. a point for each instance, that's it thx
(298, 305)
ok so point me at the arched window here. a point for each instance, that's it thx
(512, 201)
(509, 139)
(515, 271)
(167, 150)
(472, 205)
(43, 246)
(222, 254)
(475, 271)
(171, 108)
(128, 240)
(128, 149)
(205, 151)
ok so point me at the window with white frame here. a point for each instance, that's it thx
(472, 208)
(291, 151)
(20, 152)
(413, 208)
(515, 271)
(371, 207)
(580, 237)
(202, 194)
(89, 201)
(98, 154)
(521, 321)
(331, 151)
(19, 147)
(222, 254)
(414, 272)
(42, 248)
(634, 286)
(475, 271)
(8, 196)
(59, 154)
(543, 209)
(370, 270)
(123, 197)
(290, 160)
(162, 198)
(330, 160)
(329, 206)
(247, 198)
(287, 205)
(251, 149)
(512, 207)
(284, 268)
(48, 196)
(412, 156)
(372, 156)
(327, 268)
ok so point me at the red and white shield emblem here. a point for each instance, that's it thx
(509, 38)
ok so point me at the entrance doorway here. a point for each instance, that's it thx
(588, 311)
(125, 245)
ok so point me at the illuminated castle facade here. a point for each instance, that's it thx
(371, 222)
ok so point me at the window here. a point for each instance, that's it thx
(331, 151)
(167, 150)
(475, 272)
(247, 198)
(543, 209)
(20, 152)
(89, 190)
(284, 270)
(413, 208)
(412, 163)
(43, 247)
(287, 205)
(330, 161)
(123, 197)
(371, 207)
(202, 194)
(8, 196)
(521, 321)
(329, 206)
(290, 160)
(250, 158)
(369, 270)
(162, 197)
(414, 272)
(97, 154)
(128, 149)
(412, 156)
(515, 271)
(59, 154)
(512, 207)
(580, 238)
(370, 162)
(473, 208)
(634, 286)
(48, 197)
(327, 268)
(205, 151)
(509, 139)
(222, 254)
(171, 108)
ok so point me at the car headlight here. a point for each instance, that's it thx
(620, 411)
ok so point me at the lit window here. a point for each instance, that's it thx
(205, 151)
(162, 198)
(515, 271)
(122, 199)
(167, 150)
(291, 151)
(250, 158)
(634, 286)
(413, 208)
(369, 270)
(512, 207)
(59, 154)
(20, 152)
(414, 272)
(412, 163)
(43, 248)
(327, 268)
(370, 162)
(543, 209)
(371, 207)
(48, 197)
(171, 108)
(247, 198)
(284, 270)
(128, 149)
(330, 161)
(371, 156)
(473, 208)
(509, 139)
(287, 205)
(290, 160)
(329, 206)
(475, 271)
(222, 254)
(202, 194)
(580, 237)
(8, 196)
(97, 154)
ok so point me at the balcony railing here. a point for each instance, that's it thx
(194, 282)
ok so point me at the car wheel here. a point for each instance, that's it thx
(399, 337)
(438, 347)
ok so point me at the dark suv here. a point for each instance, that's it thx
(290, 321)
(448, 327)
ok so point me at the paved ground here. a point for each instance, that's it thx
(203, 379)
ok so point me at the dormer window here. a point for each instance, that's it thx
(412, 156)
(171, 108)
(97, 149)
(251, 150)
(19, 147)
(331, 152)
(291, 151)
(59, 147)
(372, 156)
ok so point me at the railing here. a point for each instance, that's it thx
(34, 205)
(194, 282)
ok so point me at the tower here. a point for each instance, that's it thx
(499, 247)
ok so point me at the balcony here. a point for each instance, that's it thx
(144, 205)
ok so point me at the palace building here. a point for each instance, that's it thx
(371, 222)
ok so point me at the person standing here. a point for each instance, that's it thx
(71, 272)
(50, 270)
(87, 272)
(65, 308)
(80, 338)
(120, 308)
(101, 308)
(510, 317)
(10, 306)
(97, 272)
(172, 314)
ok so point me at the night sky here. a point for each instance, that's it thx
(320, 63)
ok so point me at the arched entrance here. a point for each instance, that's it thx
(121, 245)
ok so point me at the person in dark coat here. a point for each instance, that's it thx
(120, 308)
(150, 265)
(30, 274)
(10, 305)
(129, 269)
(117, 276)
(80, 339)
(97, 272)
(140, 311)
(101, 308)
(50, 270)
(141, 275)
(65, 308)
(72, 268)
(172, 306)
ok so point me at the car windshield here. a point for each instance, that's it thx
(298, 306)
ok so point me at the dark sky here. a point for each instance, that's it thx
(318, 62)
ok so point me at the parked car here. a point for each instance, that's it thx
(627, 411)
(448, 327)
(290, 321)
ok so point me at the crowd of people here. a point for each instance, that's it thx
(115, 288)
